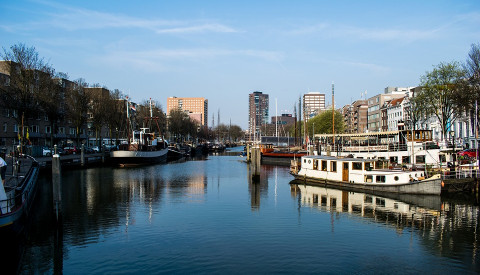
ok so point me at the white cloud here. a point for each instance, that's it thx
(73, 18)
(155, 60)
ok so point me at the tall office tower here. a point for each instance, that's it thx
(257, 111)
(196, 107)
(313, 103)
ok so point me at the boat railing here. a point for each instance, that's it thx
(351, 148)
(460, 174)
(16, 198)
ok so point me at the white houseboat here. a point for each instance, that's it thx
(401, 148)
(363, 174)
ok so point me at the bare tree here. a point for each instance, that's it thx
(29, 75)
(77, 101)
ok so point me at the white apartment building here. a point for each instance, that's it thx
(313, 103)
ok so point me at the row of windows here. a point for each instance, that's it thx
(36, 129)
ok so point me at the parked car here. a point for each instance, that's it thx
(60, 151)
(109, 148)
(71, 150)
(47, 152)
(95, 149)
(472, 153)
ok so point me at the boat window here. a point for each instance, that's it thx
(442, 158)
(315, 164)
(356, 165)
(304, 160)
(315, 198)
(309, 161)
(420, 159)
(368, 178)
(324, 165)
(333, 166)
(368, 166)
(380, 179)
(396, 178)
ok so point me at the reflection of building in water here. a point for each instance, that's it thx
(197, 185)
(445, 227)
(394, 212)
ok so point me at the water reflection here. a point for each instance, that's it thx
(446, 227)
(209, 216)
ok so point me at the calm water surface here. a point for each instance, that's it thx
(206, 216)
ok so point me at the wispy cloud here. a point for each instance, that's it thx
(155, 60)
(199, 28)
(71, 18)
(378, 34)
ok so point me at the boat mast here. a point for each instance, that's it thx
(333, 114)
(128, 121)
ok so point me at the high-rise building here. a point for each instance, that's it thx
(257, 111)
(196, 107)
(313, 103)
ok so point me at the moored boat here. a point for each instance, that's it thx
(20, 189)
(143, 148)
(362, 175)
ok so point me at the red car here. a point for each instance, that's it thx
(469, 152)
(71, 150)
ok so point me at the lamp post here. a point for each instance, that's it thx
(452, 134)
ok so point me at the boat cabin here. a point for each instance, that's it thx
(354, 170)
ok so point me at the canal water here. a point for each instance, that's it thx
(207, 216)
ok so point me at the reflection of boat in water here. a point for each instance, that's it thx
(363, 175)
(418, 207)
(20, 188)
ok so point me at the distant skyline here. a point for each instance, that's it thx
(225, 50)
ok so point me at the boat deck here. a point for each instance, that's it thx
(24, 165)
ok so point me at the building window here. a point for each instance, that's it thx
(5, 127)
(34, 128)
(61, 130)
(72, 131)
(15, 128)
(46, 118)
(48, 129)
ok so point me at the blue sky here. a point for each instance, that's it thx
(224, 50)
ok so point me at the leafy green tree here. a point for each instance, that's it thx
(323, 123)
(441, 93)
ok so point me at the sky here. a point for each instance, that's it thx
(225, 50)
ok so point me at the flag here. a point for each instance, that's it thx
(133, 107)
